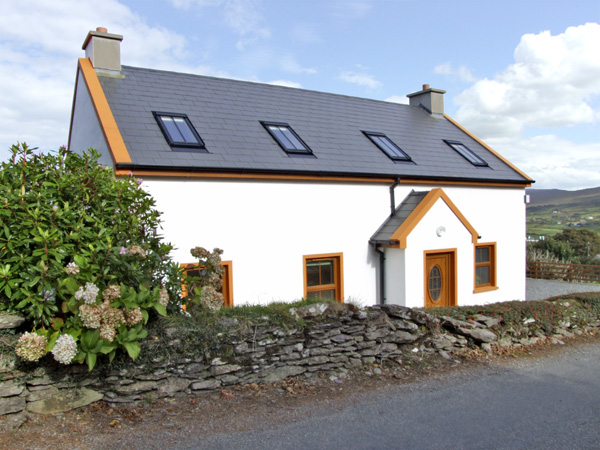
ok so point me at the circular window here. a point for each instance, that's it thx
(435, 283)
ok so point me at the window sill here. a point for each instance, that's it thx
(479, 289)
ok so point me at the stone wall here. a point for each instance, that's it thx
(336, 339)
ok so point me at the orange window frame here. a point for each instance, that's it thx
(226, 290)
(491, 263)
(338, 274)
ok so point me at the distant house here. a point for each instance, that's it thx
(310, 194)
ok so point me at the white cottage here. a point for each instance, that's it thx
(310, 194)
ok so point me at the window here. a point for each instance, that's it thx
(485, 267)
(388, 147)
(323, 277)
(466, 153)
(226, 288)
(287, 139)
(179, 132)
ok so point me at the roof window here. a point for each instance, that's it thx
(387, 146)
(287, 139)
(179, 132)
(466, 153)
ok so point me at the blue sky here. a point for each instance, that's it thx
(522, 75)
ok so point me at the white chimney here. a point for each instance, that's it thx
(432, 100)
(104, 50)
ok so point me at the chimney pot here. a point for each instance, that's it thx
(104, 50)
(432, 100)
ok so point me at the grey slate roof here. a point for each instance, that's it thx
(391, 224)
(226, 114)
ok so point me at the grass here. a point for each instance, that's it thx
(548, 314)
(204, 332)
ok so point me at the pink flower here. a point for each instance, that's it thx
(122, 251)
(139, 181)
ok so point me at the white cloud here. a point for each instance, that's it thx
(402, 99)
(461, 72)
(244, 18)
(361, 79)
(349, 10)
(305, 33)
(241, 16)
(289, 64)
(286, 83)
(552, 83)
(40, 42)
(553, 161)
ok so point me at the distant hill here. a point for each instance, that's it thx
(542, 197)
(551, 210)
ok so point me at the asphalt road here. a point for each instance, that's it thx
(542, 403)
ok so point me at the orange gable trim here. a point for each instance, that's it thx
(401, 234)
(463, 129)
(107, 121)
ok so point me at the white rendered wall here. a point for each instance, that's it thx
(265, 227)
(497, 214)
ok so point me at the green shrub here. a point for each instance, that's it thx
(80, 253)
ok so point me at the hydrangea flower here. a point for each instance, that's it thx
(71, 269)
(107, 332)
(111, 293)
(87, 294)
(136, 250)
(164, 297)
(91, 316)
(211, 299)
(65, 349)
(133, 316)
(31, 346)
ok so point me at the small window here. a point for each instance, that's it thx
(179, 131)
(323, 277)
(287, 139)
(226, 287)
(388, 147)
(485, 267)
(466, 153)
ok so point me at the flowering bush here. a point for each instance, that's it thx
(80, 256)
(206, 280)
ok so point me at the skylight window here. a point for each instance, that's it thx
(387, 146)
(179, 131)
(466, 153)
(287, 139)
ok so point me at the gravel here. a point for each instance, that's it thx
(543, 289)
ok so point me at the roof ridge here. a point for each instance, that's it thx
(261, 83)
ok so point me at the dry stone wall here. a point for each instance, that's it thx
(335, 340)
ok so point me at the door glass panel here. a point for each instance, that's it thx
(435, 283)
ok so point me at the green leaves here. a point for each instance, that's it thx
(62, 209)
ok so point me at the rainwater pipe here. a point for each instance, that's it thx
(379, 250)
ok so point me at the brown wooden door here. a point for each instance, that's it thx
(439, 279)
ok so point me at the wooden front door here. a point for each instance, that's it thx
(440, 279)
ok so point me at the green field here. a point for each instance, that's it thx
(551, 211)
